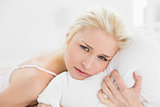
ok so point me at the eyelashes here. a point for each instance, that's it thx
(84, 48)
(87, 50)
(102, 58)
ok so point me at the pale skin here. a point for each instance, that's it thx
(90, 51)
(88, 65)
(26, 84)
(121, 96)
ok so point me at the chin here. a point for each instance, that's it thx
(78, 77)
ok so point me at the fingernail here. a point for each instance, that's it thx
(137, 73)
(100, 90)
(115, 72)
(108, 78)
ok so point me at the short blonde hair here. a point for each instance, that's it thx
(105, 19)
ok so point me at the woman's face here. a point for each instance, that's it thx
(89, 52)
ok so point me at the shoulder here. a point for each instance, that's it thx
(26, 85)
(29, 74)
(31, 80)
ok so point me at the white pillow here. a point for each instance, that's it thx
(143, 57)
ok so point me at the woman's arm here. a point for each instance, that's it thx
(43, 105)
(24, 88)
(121, 96)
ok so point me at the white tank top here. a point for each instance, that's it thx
(5, 74)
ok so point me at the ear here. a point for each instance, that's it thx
(67, 35)
(68, 32)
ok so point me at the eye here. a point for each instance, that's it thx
(103, 58)
(84, 48)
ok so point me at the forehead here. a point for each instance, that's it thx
(99, 40)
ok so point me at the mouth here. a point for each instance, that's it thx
(81, 72)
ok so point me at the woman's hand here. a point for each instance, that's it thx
(43, 105)
(121, 96)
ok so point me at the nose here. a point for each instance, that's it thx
(87, 62)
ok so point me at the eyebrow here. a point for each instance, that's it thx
(93, 49)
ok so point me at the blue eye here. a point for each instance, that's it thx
(84, 48)
(102, 58)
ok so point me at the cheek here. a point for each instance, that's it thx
(73, 55)
(99, 67)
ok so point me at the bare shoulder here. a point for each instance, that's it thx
(32, 76)
(26, 84)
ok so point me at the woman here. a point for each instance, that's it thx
(27, 82)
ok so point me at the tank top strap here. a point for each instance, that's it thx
(34, 66)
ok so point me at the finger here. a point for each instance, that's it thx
(119, 81)
(106, 90)
(50, 106)
(117, 95)
(138, 82)
(43, 105)
(111, 87)
(102, 99)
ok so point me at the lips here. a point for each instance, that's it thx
(81, 72)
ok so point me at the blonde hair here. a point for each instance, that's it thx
(105, 19)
